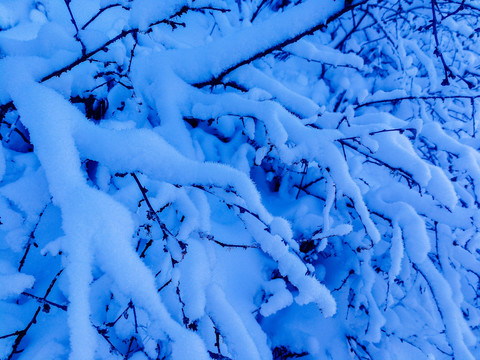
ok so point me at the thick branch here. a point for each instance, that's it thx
(216, 80)
(20, 334)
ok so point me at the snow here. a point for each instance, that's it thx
(381, 95)
(33, 202)
(13, 284)
(441, 188)
(145, 12)
(279, 298)
(417, 243)
(213, 58)
(426, 62)
(240, 343)
(112, 246)
(250, 189)
(251, 78)
(324, 54)
(467, 157)
(401, 155)
(396, 253)
(2, 163)
(194, 278)
(58, 157)
(454, 322)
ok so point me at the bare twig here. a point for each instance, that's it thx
(430, 97)
(44, 301)
(438, 53)
(150, 207)
(20, 334)
(72, 19)
(31, 239)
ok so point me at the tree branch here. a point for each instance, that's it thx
(216, 80)
(431, 97)
(123, 34)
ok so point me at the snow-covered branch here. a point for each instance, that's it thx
(254, 179)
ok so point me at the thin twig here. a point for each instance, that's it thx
(429, 97)
(101, 11)
(45, 301)
(150, 207)
(438, 53)
(31, 238)
(20, 334)
(72, 19)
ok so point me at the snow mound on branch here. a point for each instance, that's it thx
(11, 285)
(214, 58)
(94, 224)
(145, 12)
